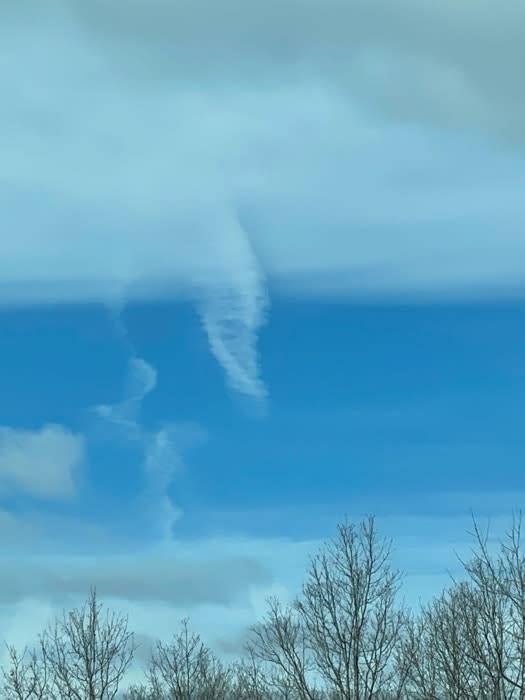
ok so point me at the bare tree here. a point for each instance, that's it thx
(494, 611)
(280, 641)
(344, 637)
(26, 677)
(187, 670)
(439, 644)
(345, 628)
(348, 610)
(249, 680)
(85, 655)
(139, 692)
(468, 644)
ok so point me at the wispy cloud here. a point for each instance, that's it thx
(233, 311)
(142, 379)
(162, 462)
(161, 446)
(42, 463)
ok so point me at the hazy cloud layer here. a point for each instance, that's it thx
(42, 463)
(181, 581)
(116, 186)
(221, 583)
(447, 64)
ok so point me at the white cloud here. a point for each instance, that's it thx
(162, 461)
(142, 380)
(42, 463)
(233, 311)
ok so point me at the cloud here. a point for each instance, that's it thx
(448, 64)
(162, 446)
(328, 195)
(42, 463)
(222, 583)
(142, 380)
(233, 311)
(162, 461)
(220, 152)
(147, 578)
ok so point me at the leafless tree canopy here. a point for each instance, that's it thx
(187, 670)
(86, 654)
(345, 637)
(470, 642)
(26, 676)
(82, 656)
(342, 633)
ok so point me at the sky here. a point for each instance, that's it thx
(262, 266)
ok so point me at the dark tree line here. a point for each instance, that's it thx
(346, 636)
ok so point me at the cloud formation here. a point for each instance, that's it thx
(141, 196)
(233, 310)
(41, 463)
(213, 152)
(181, 581)
(142, 379)
(161, 446)
(445, 64)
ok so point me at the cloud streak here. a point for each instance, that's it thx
(142, 380)
(161, 446)
(233, 310)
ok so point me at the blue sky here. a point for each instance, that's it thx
(375, 406)
(259, 270)
(375, 398)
